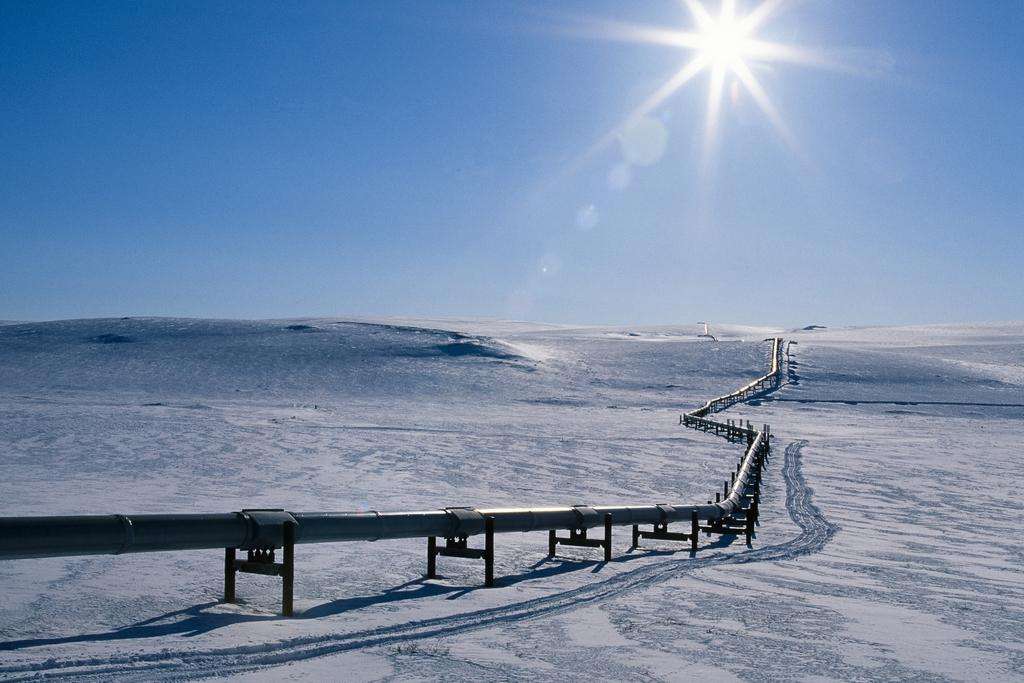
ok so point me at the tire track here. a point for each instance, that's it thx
(815, 533)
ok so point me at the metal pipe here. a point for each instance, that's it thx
(28, 537)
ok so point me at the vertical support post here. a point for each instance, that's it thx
(431, 557)
(489, 551)
(552, 542)
(288, 569)
(229, 574)
(750, 528)
(718, 497)
(607, 537)
(694, 530)
(725, 490)
(636, 536)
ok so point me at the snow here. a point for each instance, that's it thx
(888, 545)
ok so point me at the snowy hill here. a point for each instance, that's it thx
(900, 432)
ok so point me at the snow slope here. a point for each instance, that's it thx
(873, 559)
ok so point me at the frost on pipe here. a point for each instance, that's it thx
(27, 537)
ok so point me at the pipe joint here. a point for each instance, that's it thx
(587, 517)
(128, 531)
(265, 527)
(465, 521)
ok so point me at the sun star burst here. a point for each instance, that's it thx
(724, 44)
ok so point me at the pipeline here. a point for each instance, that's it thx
(262, 530)
(758, 440)
(28, 537)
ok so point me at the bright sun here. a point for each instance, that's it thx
(724, 44)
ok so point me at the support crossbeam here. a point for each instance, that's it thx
(660, 532)
(262, 561)
(458, 546)
(578, 537)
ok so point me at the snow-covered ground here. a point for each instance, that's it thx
(888, 547)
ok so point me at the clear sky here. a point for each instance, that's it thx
(413, 158)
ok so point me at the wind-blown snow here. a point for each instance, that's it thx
(879, 555)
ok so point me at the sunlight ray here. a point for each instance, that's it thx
(728, 12)
(678, 80)
(618, 31)
(763, 50)
(711, 123)
(753, 86)
(700, 14)
(759, 15)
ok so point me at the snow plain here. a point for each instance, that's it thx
(888, 547)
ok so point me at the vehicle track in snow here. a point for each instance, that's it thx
(815, 533)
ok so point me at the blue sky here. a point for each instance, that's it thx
(416, 158)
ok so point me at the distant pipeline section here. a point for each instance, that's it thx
(744, 515)
(261, 532)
